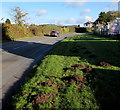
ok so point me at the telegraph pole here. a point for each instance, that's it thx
(119, 6)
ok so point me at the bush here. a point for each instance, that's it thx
(13, 31)
(71, 29)
(89, 29)
(35, 30)
(80, 30)
(66, 29)
(48, 28)
(83, 29)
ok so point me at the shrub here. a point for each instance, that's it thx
(48, 28)
(80, 30)
(66, 29)
(71, 29)
(89, 29)
(83, 29)
(35, 30)
(8, 21)
(13, 31)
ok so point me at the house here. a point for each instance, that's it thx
(115, 26)
(111, 28)
(88, 24)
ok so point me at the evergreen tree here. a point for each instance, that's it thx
(102, 18)
(107, 17)
(8, 21)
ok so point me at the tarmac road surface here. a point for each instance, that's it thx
(18, 58)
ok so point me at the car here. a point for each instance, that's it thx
(55, 33)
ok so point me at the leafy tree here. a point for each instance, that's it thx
(113, 15)
(107, 17)
(19, 16)
(8, 21)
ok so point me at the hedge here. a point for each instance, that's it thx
(14, 31)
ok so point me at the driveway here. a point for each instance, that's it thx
(18, 58)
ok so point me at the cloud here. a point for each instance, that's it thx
(67, 2)
(75, 3)
(41, 12)
(88, 18)
(85, 11)
(80, 3)
(81, 20)
(71, 21)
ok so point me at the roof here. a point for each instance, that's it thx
(89, 22)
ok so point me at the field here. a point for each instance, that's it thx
(81, 72)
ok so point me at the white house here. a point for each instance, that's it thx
(88, 24)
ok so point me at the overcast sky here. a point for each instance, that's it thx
(65, 13)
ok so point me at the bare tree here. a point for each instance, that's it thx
(19, 16)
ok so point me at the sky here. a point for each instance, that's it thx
(59, 13)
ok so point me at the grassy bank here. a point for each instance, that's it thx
(80, 72)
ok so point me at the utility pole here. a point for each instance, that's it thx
(119, 6)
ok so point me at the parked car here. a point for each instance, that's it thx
(55, 33)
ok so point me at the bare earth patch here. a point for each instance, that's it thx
(43, 98)
(104, 64)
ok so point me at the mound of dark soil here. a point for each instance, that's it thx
(70, 68)
(80, 85)
(104, 64)
(47, 83)
(87, 69)
(73, 78)
(79, 66)
(74, 67)
(49, 77)
(43, 98)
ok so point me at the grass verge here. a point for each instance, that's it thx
(81, 72)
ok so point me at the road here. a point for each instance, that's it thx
(18, 57)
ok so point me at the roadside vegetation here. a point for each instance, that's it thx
(16, 32)
(81, 72)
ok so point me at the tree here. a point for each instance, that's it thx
(107, 17)
(113, 15)
(8, 21)
(19, 16)
(102, 18)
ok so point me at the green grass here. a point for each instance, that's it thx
(100, 90)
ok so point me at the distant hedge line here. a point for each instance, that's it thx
(13, 31)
